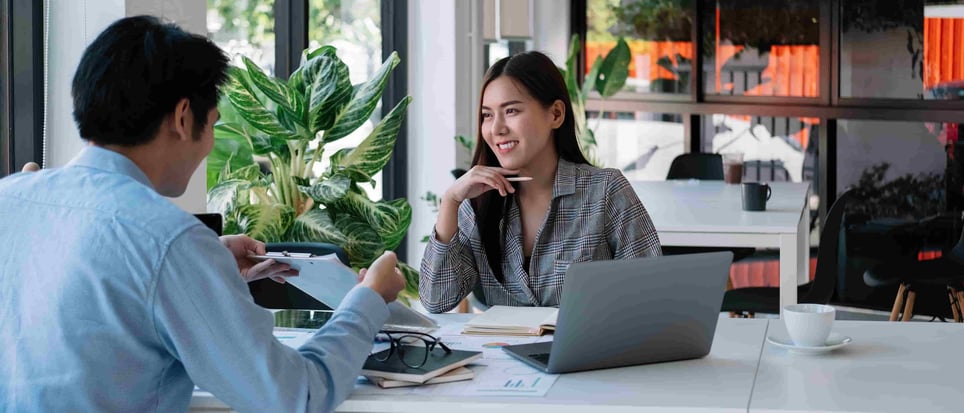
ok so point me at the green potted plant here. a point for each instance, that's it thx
(288, 124)
(607, 76)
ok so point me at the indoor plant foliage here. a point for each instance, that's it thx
(607, 76)
(289, 123)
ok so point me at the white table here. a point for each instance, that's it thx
(889, 367)
(710, 214)
(720, 382)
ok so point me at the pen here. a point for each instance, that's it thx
(518, 178)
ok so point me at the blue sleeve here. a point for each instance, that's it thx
(205, 317)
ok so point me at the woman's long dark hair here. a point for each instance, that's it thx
(540, 77)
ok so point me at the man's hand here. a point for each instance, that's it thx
(30, 167)
(384, 277)
(241, 246)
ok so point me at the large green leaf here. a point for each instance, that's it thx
(315, 225)
(362, 242)
(389, 219)
(276, 90)
(297, 81)
(327, 88)
(265, 222)
(364, 99)
(410, 293)
(614, 70)
(249, 107)
(231, 151)
(373, 153)
(589, 83)
(329, 190)
(223, 197)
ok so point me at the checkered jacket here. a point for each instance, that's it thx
(594, 215)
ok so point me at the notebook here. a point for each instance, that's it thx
(503, 320)
(327, 279)
(456, 374)
(438, 364)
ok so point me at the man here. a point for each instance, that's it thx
(112, 298)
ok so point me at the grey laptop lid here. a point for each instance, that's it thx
(636, 311)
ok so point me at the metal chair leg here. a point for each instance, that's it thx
(898, 302)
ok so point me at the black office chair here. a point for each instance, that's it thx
(270, 294)
(944, 275)
(751, 300)
(708, 167)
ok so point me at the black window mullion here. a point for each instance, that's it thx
(291, 35)
(5, 130)
(394, 17)
(25, 40)
(828, 52)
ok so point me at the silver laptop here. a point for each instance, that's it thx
(637, 311)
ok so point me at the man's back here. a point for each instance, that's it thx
(83, 247)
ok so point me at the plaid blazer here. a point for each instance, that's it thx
(594, 215)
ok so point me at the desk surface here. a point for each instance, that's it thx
(889, 367)
(713, 206)
(720, 382)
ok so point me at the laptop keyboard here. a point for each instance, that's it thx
(540, 357)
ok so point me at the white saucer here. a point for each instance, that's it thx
(834, 342)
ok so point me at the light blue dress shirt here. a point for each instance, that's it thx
(112, 299)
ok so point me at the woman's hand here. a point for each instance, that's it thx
(479, 180)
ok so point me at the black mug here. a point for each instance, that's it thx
(755, 196)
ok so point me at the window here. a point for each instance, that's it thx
(762, 48)
(640, 144)
(920, 159)
(354, 28)
(659, 37)
(244, 28)
(902, 49)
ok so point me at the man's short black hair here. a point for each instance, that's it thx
(135, 72)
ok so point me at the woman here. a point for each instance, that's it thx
(531, 205)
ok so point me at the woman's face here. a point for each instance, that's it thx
(516, 126)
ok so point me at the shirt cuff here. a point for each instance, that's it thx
(438, 247)
(368, 303)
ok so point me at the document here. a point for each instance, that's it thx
(513, 321)
(328, 280)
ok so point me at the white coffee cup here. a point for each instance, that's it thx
(809, 324)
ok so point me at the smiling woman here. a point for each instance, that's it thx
(515, 238)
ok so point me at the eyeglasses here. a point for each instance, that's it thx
(412, 348)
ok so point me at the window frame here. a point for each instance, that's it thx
(22, 90)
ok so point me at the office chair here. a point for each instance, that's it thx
(751, 300)
(915, 277)
(705, 166)
(708, 167)
(270, 294)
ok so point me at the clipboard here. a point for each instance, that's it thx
(326, 279)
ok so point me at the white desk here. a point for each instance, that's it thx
(710, 214)
(889, 367)
(720, 382)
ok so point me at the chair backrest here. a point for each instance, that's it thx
(957, 253)
(825, 278)
(270, 294)
(214, 221)
(706, 166)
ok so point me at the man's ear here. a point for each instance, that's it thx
(182, 119)
(558, 113)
